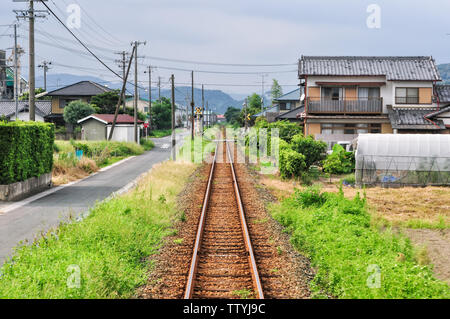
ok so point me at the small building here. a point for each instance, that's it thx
(8, 109)
(143, 104)
(97, 127)
(83, 91)
(287, 103)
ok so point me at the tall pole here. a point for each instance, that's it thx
(44, 65)
(173, 118)
(159, 89)
(122, 64)
(192, 107)
(207, 115)
(262, 93)
(136, 44)
(149, 96)
(245, 114)
(16, 73)
(203, 109)
(31, 83)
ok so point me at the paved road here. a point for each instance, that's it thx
(27, 221)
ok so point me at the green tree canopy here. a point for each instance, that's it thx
(106, 103)
(253, 107)
(232, 115)
(26, 95)
(77, 110)
(276, 90)
(162, 114)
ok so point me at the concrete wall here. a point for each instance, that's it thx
(20, 190)
(123, 132)
(93, 130)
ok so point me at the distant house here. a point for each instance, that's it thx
(98, 126)
(83, 91)
(220, 118)
(143, 104)
(349, 95)
(286, 103)
(8, 109)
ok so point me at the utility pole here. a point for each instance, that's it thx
(207, 115)
(245, 114)
(262, 92)
(45, 66)
(136, 44)
(159, 89)
(122, 64)
(173, 118)
(149, 71)
(30, 15)
(122, 94)
(202, 115)
(192, 107)
(16, 73)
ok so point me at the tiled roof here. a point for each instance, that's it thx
(109, 118)
(83, 88)
(291, 96)
(292, 114)
(8, 108)
(413, 118)
(443, 92)
(417, 68)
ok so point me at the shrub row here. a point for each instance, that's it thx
(26, 150)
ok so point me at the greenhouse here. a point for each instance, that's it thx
(393, 160)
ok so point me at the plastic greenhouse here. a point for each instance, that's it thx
(403, 159)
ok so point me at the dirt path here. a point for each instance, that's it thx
(437, 243)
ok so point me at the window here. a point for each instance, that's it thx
(146, 109)
(406, 96)
(332, 93)
(368, 93)
(63, 102)
(337, 128)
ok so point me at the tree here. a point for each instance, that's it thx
(77, 110)
(162, 114)
(253, 107)
(314, 151)
(25, 96)
(232, 115)
(106, 103)
(276, 90)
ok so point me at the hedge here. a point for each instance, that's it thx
(26, 150)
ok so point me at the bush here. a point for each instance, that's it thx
(314, 151)
(291, 163)
(76, 110)
(26, 150)
(340, 161)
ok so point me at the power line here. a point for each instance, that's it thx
(220, 64)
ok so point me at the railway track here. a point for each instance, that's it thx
(223, 263)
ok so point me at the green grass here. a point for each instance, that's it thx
(423, 224)
(111, 160)
(109, 247)
(160, 133)
(344, 244)
(147, 144)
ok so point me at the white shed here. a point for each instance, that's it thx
(98, 126)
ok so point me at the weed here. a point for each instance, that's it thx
(244, 294)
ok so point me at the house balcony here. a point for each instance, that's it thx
(345, 106)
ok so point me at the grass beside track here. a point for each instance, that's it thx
(352, 256)
(107, 250)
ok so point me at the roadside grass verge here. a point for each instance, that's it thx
(160, 133)
(67, 167)
(347, 248)
(103, 255)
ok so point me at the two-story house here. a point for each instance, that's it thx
(83, 90)
(348, 95)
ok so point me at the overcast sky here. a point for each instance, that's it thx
(235, 31)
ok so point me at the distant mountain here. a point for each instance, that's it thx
(218, 100)
(444, 70)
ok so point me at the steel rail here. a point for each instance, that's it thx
(198, 239)
(248, 243)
